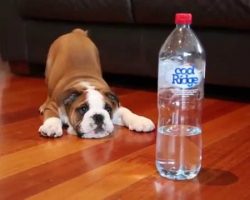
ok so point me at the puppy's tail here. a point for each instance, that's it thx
(80, 31)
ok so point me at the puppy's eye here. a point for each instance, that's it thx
(108, 108)
(82, 110)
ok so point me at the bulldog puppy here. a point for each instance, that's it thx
(77, 94)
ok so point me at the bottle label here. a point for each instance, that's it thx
(185, 76)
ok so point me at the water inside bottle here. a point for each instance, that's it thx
(178, 151)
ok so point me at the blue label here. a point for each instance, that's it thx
(185, 76)
(172, 74)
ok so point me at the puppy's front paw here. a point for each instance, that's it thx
(52, 127)
(140, 124)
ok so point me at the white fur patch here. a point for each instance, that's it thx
(95, 99)
(52, 127)
(71, 130)
(125, 117)
(65, 120)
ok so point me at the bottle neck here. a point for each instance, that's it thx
(182, 25)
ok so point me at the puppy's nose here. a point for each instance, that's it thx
(98, 118)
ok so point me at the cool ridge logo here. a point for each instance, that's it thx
(176, 75)
(186, 77)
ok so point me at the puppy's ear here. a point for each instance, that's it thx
(113, 98)
(70, 96)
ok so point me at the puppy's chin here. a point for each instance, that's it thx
(93, 135)
(86, 132)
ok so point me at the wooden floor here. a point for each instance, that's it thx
(119, 167)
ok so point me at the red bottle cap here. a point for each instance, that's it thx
(183, 18)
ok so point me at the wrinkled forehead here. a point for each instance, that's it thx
(95, 99)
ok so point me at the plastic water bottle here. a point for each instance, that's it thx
(181, 74)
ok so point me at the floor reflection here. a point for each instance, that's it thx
(178, 190)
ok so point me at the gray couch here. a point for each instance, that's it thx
(129, 33)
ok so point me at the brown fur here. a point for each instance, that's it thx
(73, 58)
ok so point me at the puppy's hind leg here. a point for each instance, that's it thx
(52, 125)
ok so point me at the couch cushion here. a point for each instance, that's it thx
(213, 13)
(77, 10)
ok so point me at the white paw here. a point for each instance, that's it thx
(140, 124)
(52, 127)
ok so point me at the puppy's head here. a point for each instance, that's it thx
(90, 112)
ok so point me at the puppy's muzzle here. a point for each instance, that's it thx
(98, 119)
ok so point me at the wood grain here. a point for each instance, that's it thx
(121, 166)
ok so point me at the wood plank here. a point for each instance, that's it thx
(40, 154)
(20, 135)
(106, 179)
(230, 185)
(225, 125)
(214, 108)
